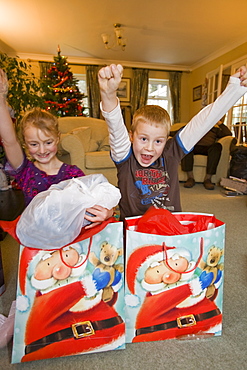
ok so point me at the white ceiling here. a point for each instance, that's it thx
(180, 33)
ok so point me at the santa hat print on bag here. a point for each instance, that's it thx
(143, 257)
(151, 256)
(28, 254)
(31, 257)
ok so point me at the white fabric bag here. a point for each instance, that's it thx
(55, 217)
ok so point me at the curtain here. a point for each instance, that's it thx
(139, 90)
(225, 80)
(44, 67)
(175, 89)
(93, 90)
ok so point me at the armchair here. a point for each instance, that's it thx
(200, 161)
(84, 142)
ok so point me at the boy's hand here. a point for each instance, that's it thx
(109, 78)
(3, 84)
(242, 75)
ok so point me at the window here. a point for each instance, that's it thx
(82, 85)
(239, 120)
(159, 94)
(214, 84)
(237, 115)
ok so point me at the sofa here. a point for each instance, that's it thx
(200, 161)
(84, 142)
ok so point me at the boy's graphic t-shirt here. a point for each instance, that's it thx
(153, 185)
(157, 185)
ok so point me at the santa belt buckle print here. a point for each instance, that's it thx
(82, 329)
(184, 321)
(76, 331)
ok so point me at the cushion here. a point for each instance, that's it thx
(200, 160)
(99, 160)
(60, 149)
(93, 146)
(84, 134)
(105, 144)
(66, 124)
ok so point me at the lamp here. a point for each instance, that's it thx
(119, 42)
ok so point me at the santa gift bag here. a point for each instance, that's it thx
(70, 300)
(174, 276)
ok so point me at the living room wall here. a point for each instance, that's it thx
(189, 80)
(159, 74)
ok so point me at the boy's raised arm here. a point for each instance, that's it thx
(109, 79)
(200, 124)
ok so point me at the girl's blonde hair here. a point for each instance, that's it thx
(153, 114)
(41, 119)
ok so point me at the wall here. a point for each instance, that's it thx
(185, 96)
(188, 81)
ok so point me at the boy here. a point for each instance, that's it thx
(147, 161)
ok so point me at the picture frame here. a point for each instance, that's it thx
(197, 93)
(123, 91)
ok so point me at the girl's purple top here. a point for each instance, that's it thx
(32, 181)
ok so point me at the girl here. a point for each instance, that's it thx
(40, 138)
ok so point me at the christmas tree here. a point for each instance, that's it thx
(62, 96)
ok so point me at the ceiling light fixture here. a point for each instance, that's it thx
(119, 42)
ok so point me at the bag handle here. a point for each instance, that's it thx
(194, 267)
(82, 263)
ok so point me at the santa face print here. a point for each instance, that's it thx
(162, 273)
(57, 265)
(178, 263)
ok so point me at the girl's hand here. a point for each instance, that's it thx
(3, 84)
(100, 214)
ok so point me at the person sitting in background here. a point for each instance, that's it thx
(208, 146)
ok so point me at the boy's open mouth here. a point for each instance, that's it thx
(146, 157)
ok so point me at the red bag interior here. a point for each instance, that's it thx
(162, 222)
